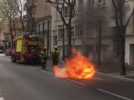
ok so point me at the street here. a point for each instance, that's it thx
(25, 82)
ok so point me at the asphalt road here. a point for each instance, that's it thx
(23, 82)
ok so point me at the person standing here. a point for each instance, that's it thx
(44, 58)
(55, 56)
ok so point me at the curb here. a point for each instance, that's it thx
(116, 76)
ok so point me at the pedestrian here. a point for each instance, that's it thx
(55, 56)
(44, 58)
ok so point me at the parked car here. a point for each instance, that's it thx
(1, 49)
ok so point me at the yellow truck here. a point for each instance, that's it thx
(26, 50)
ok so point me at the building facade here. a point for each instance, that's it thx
(39, 13)
(86, 30)
(129, 58)
(93, 17)
(5, 36)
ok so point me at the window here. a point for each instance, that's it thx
(77, 31)
(54, 40)
(43, 27)
(66, 11)
(60, 32)
(60, 1)
(39, 28)
(73, 33)
(133, 23)
(101, 3)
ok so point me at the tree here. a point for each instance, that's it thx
(29, 5)
(93, 19)
(121, 21)
(19, 6)
(12, 9)
(9, 12)
(60, 6)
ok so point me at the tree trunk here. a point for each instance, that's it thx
(11, 32)
(48, 38)
(23, 26)
(119, 47)
(22, 23)
(63, 43)
(69, 33)
(14, 26)
(99, 43)
(122, 51)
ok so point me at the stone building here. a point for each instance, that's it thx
(86, 29)
(39, 16)
(93, 17)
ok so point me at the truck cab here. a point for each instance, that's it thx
(26, 50)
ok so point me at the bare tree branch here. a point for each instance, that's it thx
(129, 18)
(67, 20)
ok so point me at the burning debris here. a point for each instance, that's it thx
(78, 67)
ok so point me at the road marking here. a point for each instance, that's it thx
(85, 84)
(1, 98)
(113, 94)
(78, 83)
(82, 84)
(98, 78)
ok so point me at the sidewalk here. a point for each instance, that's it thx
(114, 71)
(129, 77)
(110, 71)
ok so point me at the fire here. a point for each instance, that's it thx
(78, 67)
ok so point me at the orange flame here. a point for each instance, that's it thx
(78, 67)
